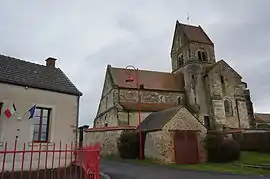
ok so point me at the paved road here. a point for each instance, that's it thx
(118, 170)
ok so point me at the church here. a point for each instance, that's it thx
(211, 90)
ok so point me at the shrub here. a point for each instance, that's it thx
(212, 142)
(220, 149)
(128, 145)
(229, 151)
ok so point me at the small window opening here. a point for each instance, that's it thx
(189, 53)
(199, 56)
(204, 56)
(228, 107)
(180, 60)
(222, 79)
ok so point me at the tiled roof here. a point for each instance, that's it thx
(152, 80)
(262, 117)
(149, 107)
(195, 33)
(23, 73)
(157, 120)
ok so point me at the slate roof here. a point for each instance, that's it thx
(194, 33)
(262, 117)
(23, 73)
(157, 120)
(149, 107)
(152, 80)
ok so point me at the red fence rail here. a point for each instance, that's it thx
(49, 161)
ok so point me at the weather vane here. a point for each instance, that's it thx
(188, 18)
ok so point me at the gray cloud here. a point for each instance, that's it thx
(86, 36)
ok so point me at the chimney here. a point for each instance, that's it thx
(50, 62)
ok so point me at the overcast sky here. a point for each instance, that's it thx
(87, 35)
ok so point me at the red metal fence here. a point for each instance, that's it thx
(49, 161)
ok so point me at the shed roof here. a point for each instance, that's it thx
(157, 120)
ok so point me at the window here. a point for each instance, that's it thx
(189, 53)
(199, 56)
(202, 55)
(222, 79)
(41, 121)
(106, 102)
(1, 106)
(207, 122)
(180, 60)
(228, 107)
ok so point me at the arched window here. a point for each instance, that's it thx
(180, 60)
(228, 107)
(199, 55)
(202, 55)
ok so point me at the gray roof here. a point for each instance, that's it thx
(23, 73)
(157, 120)
(262, 117)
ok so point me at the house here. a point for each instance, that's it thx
(210, 89)
(24, 84)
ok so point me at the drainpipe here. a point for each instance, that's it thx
(77, 121)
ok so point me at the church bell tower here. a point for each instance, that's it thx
(192, 51)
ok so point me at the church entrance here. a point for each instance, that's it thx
(186, 147)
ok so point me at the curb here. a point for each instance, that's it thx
(104, 176)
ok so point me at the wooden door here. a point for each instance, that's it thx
(186, 147)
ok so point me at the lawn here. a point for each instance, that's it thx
(238, 167)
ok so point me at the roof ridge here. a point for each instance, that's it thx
(14, 58)
(144, 70)
(21, 72)
(180, 23)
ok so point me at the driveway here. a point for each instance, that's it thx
(123, 170)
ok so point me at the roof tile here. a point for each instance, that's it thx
(152, 80)
(23, 73)
(195, 33)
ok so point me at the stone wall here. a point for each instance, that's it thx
(225, 84)
(147, 96)
(158, 146)
(108, 117)
(130, 118)
(107, 96)
(107, 137)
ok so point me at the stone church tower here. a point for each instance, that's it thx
(193, 55)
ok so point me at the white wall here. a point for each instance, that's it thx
(63, 117)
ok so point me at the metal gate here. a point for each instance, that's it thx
(186, 147)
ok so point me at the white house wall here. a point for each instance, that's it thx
(61, 125)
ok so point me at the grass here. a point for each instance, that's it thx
(251, 158)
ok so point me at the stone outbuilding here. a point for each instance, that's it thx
(174, 136)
